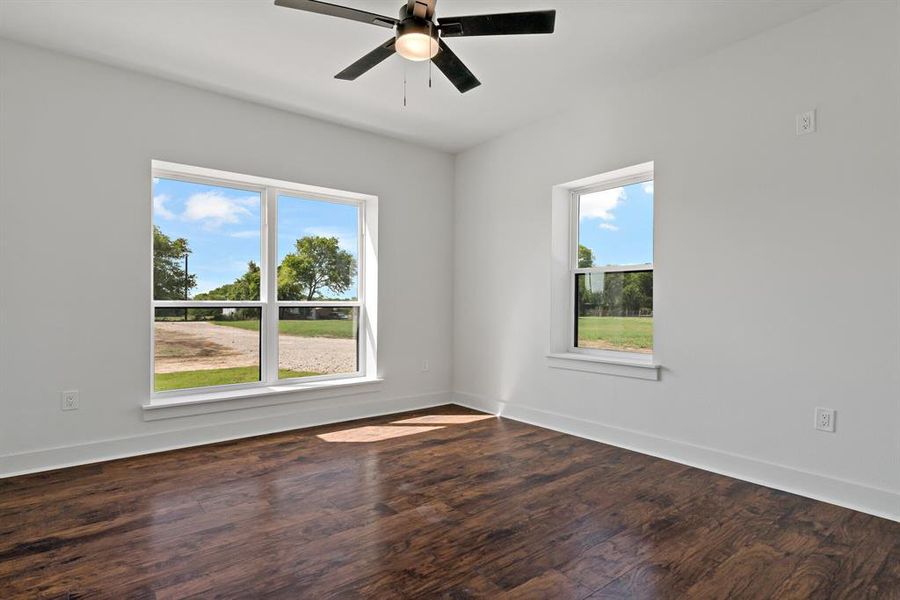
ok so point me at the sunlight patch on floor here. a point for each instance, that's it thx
(373, 433)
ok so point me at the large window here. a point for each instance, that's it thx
(612, 265)
(255, 282)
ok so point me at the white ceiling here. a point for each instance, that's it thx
(287, 58)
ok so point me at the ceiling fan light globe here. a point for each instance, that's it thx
(417, 46)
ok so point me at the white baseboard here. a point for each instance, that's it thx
(856, 496)
(111, 449)
(852, 495)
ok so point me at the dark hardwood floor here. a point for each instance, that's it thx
(489, 508)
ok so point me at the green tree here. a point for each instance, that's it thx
(613, 283)
(627, 293)
(316, 263)
(289, 287)
(585, 257)
(245, 287)
(170, 282)
(586, 298)
(631, 298)
(644, 281)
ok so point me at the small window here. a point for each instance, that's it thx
(612, 273)
(254, 282)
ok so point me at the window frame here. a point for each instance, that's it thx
(620, 178)
(269, 304)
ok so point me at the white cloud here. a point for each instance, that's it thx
(214, 209)
(648, 187)
(245, 234)
(159, 207)
(608, 227)
(155, 180)
(599, 205)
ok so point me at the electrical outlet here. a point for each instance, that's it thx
(69, 400)
(806, 122)
(825, 419)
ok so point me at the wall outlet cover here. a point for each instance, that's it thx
(69, 400)
(806, 122)
(825, 419)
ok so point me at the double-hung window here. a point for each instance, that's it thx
(257, 282)
(611, 258)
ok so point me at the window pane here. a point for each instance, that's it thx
(198, 347)
(615, 311)
(317, 341)
(318, 249)
(614, 307)
(615, 227)
(206, 242)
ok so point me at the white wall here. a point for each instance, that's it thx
(776, 261)
(76, 141)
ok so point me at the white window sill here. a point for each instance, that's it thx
(168, 407)
(625, 366)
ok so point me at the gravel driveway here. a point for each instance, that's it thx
(197, 345)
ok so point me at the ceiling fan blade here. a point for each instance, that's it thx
(458, 73)
(540, 21)
(333, 10)
(368, 61)
(424, 9)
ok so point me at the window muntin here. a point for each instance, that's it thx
(242, 307)
(612, 274)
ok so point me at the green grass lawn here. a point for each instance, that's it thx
(192, 379)
(619, 333)
(337, 328)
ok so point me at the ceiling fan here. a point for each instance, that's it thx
(418, 36)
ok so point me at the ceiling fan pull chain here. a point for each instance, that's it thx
(404, 86)
(430, 62)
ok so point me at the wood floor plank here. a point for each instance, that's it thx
(465, 508)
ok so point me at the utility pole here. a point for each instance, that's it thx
(186, 280)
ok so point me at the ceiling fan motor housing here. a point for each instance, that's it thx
(410, 23)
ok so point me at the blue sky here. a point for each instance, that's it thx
(617, 224)
(222, 226)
